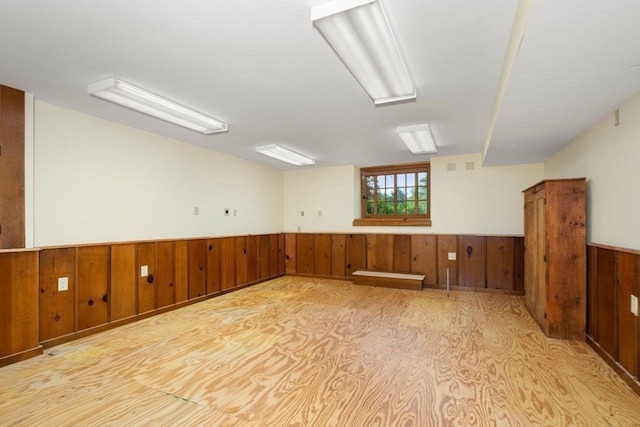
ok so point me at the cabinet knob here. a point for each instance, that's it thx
(150, 278)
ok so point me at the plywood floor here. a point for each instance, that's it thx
(307, 352)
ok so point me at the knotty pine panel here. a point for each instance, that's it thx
(338, 255)
(18, 302)
(252, 259)
(57, 314)
(305, 253)
(606, 300)
(380, 252)
(472, 261)
(146, 284)
(627, 331)
(276, 254)
(290, 252)
(423, 257)
(181, 271)
(165, 287)
(356, 253)
(92, 266)
(500, 263)
(228, 263)
(123, 281)
(322, 254)
(281, 253)
(592, 254)
(241, 260)
(214, 258)
(197, 261)
(264, 256)
(519, 263)
(446, 244)
(12, 210)
(402, 253)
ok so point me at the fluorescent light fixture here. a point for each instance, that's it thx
(361, 35)
(418, 138)
(130, 96)
(284, 154)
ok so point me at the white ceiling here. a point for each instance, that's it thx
(260, 66)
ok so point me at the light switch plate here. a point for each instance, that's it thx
(144, 271)
(63, 284)
(451, 256)
(634, 304)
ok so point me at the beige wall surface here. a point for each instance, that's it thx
(98, 181)
(609, 157)
(478, 201)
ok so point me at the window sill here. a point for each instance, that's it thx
(391, 222)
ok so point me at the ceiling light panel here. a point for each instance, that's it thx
(361, 35)
(130, 96)
(418, 138)
(285, 155)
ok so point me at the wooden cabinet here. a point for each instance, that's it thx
(555, 256)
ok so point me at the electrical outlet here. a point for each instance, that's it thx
(144, 271)
(319, 213)
(301, 213)
(235, 212)
(451, 256)
(63, 284)
(634, 304)
(196, 210)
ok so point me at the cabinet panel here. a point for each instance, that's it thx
(214, 257)
(265, 261)
(401, 254)
(123, 281)
(605, 295)
(241, 260)
(146, 284)
(252, 259)
(165, 288)
(380, 252)
(290, 252)
(57, 315)
(472, 261)
(305, 253)
(92, 286)
(228, 269)
(541, 276)
(197, 261)
(356, 253)
(447, 244)
(500, 263)
(423, 257)
(181, 271)
(18, 302)
(322, 254)
(12, 207)
(627, 322)
(530, 252)
(338, 255)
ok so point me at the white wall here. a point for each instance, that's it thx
(479, 201)
(98, 181)
(609, 157)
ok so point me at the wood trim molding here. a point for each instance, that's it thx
(392, 222)
(614, 248)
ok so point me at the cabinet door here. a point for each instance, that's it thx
(541, 266)
(165, 288)
(57, 316)
(214, 256)
(146, 283)
(92, 286)
(123, 281)
(197, 261)
(530, 253)
(423, 257)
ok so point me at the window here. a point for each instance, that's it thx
(395, 195)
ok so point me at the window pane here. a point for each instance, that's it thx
(401, 194)
(411, 179)
(411, 207)
(380, 181)
(411, 193)
(370, 208)
(401, 180)
(390, 181)
(402, 208)
(422, 178)
(422, 207)
(422, 193)
(389, 194)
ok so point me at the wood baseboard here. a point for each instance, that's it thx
(23, 355)
(623, 373)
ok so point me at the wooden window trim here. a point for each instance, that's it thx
(393, 220)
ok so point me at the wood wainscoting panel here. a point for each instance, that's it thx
(380, 252)
(627, 322)
(228, 263)
(165, 284)
(92, 284)
(423, 257)
(606, 301)
(356, 253)
(181, 270)
(197, 261)
(290, 252)
(322, 255)
(241, 260)
(123, 299)
(500, 263)
(447, 244)
(305, 253)
(146, 284)
(592, 254)
(402, 253)
(281, 253)
(265, 262)
(338, 255)
(472, 261)
(252, 259)
(214, 258)
(57, 314)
